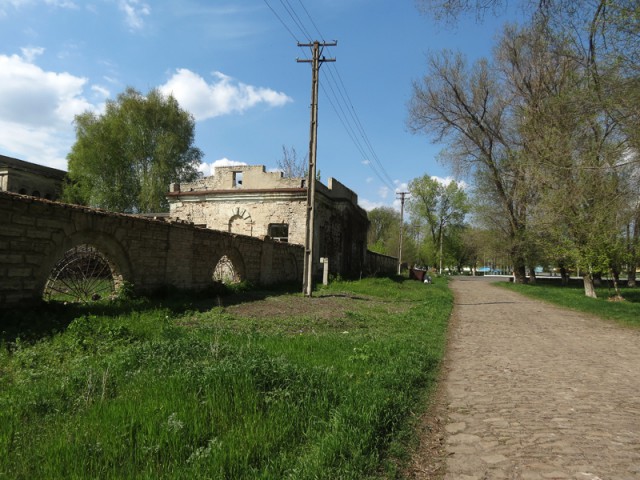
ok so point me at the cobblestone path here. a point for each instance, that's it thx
(534, 391)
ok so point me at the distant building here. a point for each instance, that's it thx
(250, 201)
(28, 178)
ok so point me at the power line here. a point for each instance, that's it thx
(296, 19)
(337, 94)
(281, 21)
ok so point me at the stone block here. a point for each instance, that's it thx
(20, 272)
(11, 258)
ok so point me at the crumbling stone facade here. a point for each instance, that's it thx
(251, 201)
(28, 178)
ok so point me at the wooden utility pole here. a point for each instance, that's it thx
(402, 196)
(316, 61)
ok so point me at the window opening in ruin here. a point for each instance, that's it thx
(225, 272)
(83, 275)
(279, 231)
(237, 179)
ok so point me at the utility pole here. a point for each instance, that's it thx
(316, 61)
(402, 196)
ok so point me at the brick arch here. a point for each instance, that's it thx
(240, 222)
(107, 245)
(235, 257)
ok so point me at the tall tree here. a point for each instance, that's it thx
(442, 206)
(124, 159)
(469, 108)
(384, 231)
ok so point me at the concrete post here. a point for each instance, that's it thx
(325, 270)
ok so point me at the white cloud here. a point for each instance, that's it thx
(223, 96)
(30, 53)
(383, 192)
(369, 205)
(134, 11)
(447, 180)
(208, 169)
(37, 109)
(401, 186)
(4, 4)
(102, 91)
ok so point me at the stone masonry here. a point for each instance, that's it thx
(147, 252)
(250, 201)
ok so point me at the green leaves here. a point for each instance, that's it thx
(125, 159)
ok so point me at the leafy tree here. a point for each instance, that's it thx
(384, 230)
(469, 109)
(443, 208)
(124, 159)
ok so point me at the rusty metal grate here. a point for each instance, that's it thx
(83, 275)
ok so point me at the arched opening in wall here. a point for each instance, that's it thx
(225, 272)
(82, 275)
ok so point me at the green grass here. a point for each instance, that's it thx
(180, 388)
(626, 312)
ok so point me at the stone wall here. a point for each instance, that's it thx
(149, 253)
(379, 264)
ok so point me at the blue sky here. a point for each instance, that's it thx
(232, 64)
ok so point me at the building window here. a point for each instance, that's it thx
(279, 231)
(237, 179)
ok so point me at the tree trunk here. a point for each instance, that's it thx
(564, 274)
(631, 275)
(519, 273)
(589, 288)
(532, 275)
(597, 279)
(616, 276)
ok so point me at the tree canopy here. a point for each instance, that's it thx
(547, 130)
(124, 159)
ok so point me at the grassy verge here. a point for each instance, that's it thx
(626, 312)
(182, 389)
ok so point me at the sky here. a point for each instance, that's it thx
(232, 65)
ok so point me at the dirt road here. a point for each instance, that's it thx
(537, 392)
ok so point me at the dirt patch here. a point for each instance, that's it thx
(319, 307)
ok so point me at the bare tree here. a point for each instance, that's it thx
(291, 165)
(469, 109)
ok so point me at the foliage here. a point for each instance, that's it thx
(442, 207)
(125, 159)
(547, 131)
(384, 230)
(168, 390)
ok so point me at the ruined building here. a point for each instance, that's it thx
(250, 201)
(27, 178)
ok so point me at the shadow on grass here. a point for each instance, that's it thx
(44, 319)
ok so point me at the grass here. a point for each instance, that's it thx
(626, 312)
(179, 388)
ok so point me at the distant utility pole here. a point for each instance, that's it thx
(316, 61)
(402, 196)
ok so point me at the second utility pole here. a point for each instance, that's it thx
(316, 61)
(402, 195)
